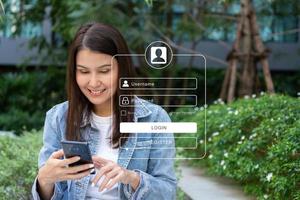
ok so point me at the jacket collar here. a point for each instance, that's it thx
(140, 111)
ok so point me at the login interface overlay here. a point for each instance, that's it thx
(169, 89)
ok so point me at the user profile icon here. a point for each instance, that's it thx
(125, 83)
(158, 55)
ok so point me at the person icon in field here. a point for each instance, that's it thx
(125, 83)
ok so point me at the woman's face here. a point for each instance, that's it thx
(97, 77)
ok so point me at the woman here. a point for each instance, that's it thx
(129, 166)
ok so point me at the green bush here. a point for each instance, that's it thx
(256, 142)
(18, 120)
(18, 164)
(26, 96)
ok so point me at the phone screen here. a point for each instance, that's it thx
(81, 149)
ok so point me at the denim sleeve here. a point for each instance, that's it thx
(57, 194)
(51, 143)
(159, 182)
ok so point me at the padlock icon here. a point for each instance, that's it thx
(125, 101)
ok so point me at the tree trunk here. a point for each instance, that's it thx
(247, 50)
(168, 71)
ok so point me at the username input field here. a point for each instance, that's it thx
(146, 83)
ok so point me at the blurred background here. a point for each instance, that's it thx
(252, 48)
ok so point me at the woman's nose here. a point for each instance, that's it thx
(94, 81)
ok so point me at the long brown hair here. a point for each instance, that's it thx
(105, 39)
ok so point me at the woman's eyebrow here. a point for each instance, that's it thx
(104, 65)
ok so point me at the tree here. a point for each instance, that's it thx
(248, 49)
(142, 22)
(2, 11)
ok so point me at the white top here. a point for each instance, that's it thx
(104, 150)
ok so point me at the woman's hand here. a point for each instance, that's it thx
(113, 174)
(56, 169)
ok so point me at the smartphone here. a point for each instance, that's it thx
(81, 149)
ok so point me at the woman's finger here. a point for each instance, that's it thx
(100, 160)
(76, 176)
(101, 172)
(108, 177)
(69, 161)
(113, 181)
(98, 165)
(79, 168)
(57, 154)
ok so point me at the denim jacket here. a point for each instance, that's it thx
(153, 161)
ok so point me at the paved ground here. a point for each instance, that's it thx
(199, 186)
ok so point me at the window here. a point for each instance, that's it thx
(274, 19)
(8, 27)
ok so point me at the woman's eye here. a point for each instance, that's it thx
(104, 71)
(83, 71)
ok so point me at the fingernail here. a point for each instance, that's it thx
(104, 189)
(91, 165)
(93, 184)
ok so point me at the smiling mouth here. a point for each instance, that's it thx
(96, 92)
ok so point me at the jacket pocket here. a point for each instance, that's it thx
(141, 155)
